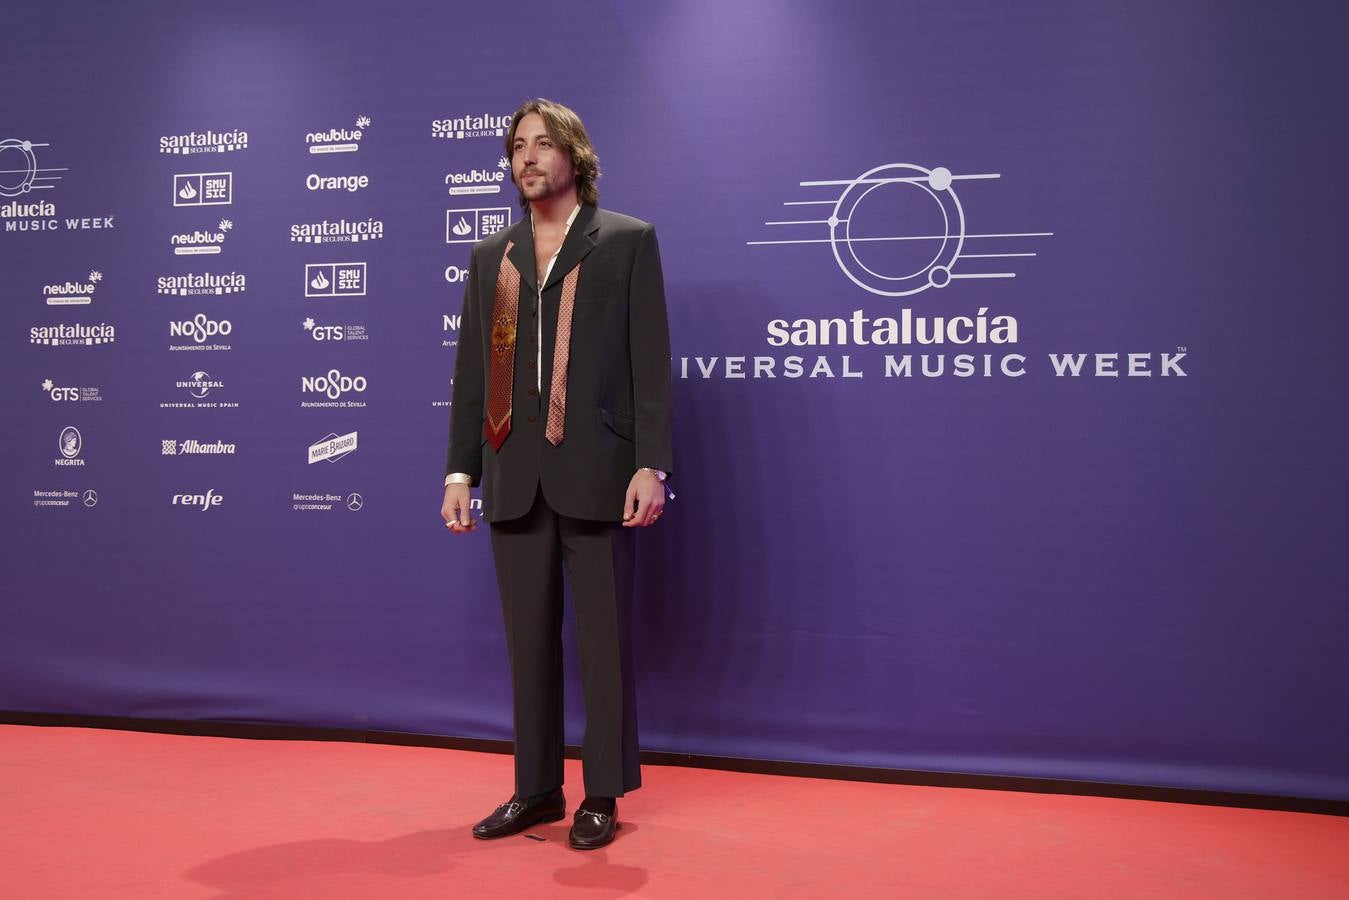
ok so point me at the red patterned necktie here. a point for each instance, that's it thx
(557, 396)
(505, 314)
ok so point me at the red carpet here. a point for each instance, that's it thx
(92, 813)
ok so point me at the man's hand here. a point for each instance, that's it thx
(455, 510)
(645, 500)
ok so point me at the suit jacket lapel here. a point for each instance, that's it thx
(577, 246)
(522, 254)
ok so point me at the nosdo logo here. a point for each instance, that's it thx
(349, 183)
(197, 243)
(333, 385)
(203, 502)
(338, 140)
(338, 231)
(192, 284)
(72, 335)
(485, 125)
(200, 328)
(926, 247)
(204, 142)
(478, 181)
(203, 189)
(468, 226)
(72, 293)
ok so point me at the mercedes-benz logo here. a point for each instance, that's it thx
(90, 498)
(355, 502)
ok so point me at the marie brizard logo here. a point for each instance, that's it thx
(867, 212)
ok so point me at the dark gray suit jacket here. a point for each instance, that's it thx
(618, 416)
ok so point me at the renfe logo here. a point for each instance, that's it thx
(203, 189)
(205, 501)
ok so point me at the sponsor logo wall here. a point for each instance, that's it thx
(1053, 358)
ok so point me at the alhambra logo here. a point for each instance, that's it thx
(203, 189)
(479, 181)
(72, 293)
(204, 142)
(337, 231)
(199, 243)
(470, 126)
(191, 284)
(899, 229)
(338, 140)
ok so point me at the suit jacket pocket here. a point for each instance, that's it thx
(619, 424)
(599, 292)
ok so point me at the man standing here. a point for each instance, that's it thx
(561, 411)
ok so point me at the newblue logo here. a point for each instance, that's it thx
(338, 140)
(72, 293)
(199, 242)
(478, 181)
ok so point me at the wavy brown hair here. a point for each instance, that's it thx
(565, 128)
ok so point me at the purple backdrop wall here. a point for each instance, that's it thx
(1128, 574)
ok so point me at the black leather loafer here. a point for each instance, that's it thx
(514, 816)
(592, 830)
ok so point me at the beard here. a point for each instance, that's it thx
(541, 187)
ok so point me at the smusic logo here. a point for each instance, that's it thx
(326, 280)
(203, 189)
(198, 243)
(204, 142)
(486, 125)
(468, 226)
(338, 140)
(72, 293)
(189, 285)
(337, 231)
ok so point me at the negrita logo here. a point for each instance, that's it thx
(204, 142)
(203, 189)
(338, 140)
(72, 293)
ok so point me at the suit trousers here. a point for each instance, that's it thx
(530, 554)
